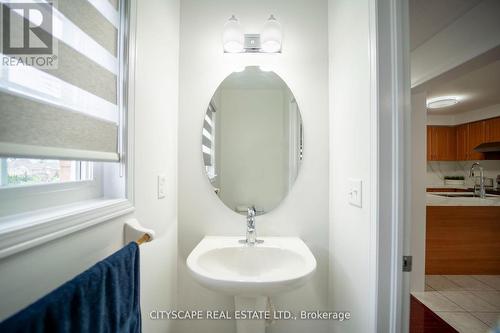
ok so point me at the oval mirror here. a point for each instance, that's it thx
(252, 140)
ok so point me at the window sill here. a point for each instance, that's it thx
(24, 231)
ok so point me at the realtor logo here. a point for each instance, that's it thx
(27, 34)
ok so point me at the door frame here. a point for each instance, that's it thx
(392, 100)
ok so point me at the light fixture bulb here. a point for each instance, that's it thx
(271, 36)
(233, 37)
(442, 102)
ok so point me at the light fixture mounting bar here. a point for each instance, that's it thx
(252, 43)
(234, 39)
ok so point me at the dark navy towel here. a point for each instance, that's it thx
(104, 298)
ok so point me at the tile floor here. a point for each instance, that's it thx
(469, 303)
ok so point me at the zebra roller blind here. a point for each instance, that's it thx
(67, 108)
(208, 144)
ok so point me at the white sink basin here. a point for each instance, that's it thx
(277, 265)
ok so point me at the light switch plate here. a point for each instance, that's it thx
(355, 193)
(162, 186)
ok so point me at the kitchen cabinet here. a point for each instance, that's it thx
(441, 143)
(493, 130)
(457, 143)
(477, 135)
(429, 143)
(462, 240)
(462, 135)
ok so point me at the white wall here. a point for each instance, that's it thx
(303, 66)
(30, 274)
(418, 189)
(467, 37)
(352, 155)
(491, 111)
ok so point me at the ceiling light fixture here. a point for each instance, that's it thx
(235, 41)
(442, 102)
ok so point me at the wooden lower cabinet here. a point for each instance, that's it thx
(462, 240)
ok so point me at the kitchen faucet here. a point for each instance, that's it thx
(482, 190)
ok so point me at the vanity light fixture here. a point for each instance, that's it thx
(442, 102)
(271, 36)
(268, 41)
(233, 37)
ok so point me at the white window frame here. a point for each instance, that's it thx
(114, 182)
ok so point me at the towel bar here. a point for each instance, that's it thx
(144, 239)
(135, 232)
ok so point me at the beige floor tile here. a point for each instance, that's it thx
(439, 282)
(464, 322)
(492, 297)
(491, 280)
(489, 318)
(469, 302)
(468, 282)
(435, 301)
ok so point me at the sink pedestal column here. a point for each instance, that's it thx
(250, 304)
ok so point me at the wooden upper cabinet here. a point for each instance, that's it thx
(429, 144)
(441, 143)
(462, 142)
(477, 135)
(457, 143)
(493, 130)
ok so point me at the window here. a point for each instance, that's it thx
(24, 171)
(63, 124)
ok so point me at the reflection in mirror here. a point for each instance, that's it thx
(252, 140)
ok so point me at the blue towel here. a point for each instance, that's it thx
(104, 298)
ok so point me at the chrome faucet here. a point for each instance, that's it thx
(251, 238)
(482, 191)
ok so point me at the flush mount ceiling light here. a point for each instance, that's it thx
(442, 102)
(235, 41)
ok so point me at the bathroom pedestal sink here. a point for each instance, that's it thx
(251, 273)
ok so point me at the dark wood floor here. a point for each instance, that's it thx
(423, 320)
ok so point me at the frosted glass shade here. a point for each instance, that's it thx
(233, 37)
(271, 36)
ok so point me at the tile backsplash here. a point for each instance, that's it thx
(436, 171)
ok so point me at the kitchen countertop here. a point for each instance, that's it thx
(461, 187)
(433, 199)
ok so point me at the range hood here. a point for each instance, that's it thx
(489, 147)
